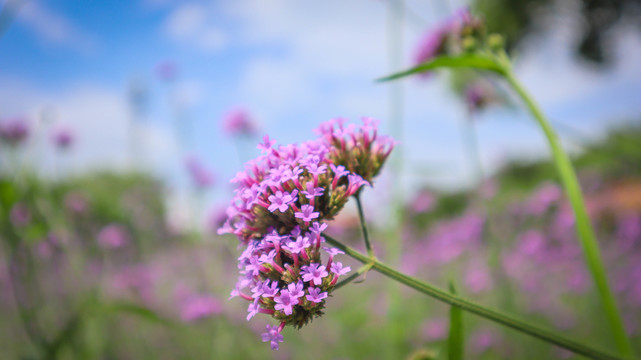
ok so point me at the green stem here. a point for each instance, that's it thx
(368, 245)
(363, 269)
(453, 300)
(583, 226)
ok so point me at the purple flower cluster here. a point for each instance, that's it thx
(446, 37)
(279, 212)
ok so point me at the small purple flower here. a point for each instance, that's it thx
(272, 335)
(339, 172)
(317, 228)
(333, 251)
(270, 290)
(266, 145)
(307, 213)
(338, 269)
(299, 245)
(315, 295)
(253, 309)
(316, 170)
(253, 266)
(281, 200)
(296, 290)
(267, 258)
(285, 302)
(355, 182)
(257, 290)
(311, 192)
(314, 273)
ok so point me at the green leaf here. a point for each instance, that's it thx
(474, 61)
(455, 344)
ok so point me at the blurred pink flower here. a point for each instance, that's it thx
(200, 176)
(544, 197)
(14, 131)
(139, 279)
(423, 202)
(194, 306)
(435, 329)
(113, 236)
(450, 238)
(489, 188)
(238, 122)
(76, 202)
(167, 71)
(477, 277)
(482, 340)
(435, 41)
(62, 138)
(20, 215)
(628, 231)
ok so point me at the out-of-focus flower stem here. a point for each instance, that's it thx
(467, 305)
(499, 63)
(584, 228)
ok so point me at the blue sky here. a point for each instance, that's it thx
(293, 65)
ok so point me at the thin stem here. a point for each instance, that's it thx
(363, 269)
(368, 245)
(493, 315)
(583, 226)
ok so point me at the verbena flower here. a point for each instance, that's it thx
(113, 236)
(200, 176)
(62, 137)
(238, 122)
(448, 37)
(282, 202)
(14, 131)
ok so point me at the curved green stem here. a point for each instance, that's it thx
(493, 315)
(361, 217)
(583, 226)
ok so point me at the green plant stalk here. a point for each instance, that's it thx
(584, 229)
(361, 217)
(454, 300)
(455, 340)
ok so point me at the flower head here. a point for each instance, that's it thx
(448, 36)
(113, 236)
(14, 131)
(282, 202)
(200, 176)
(238, 122)
(62, 138)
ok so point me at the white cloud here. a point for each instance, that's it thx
(100, 121)
(193, 24)
(54, 28)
